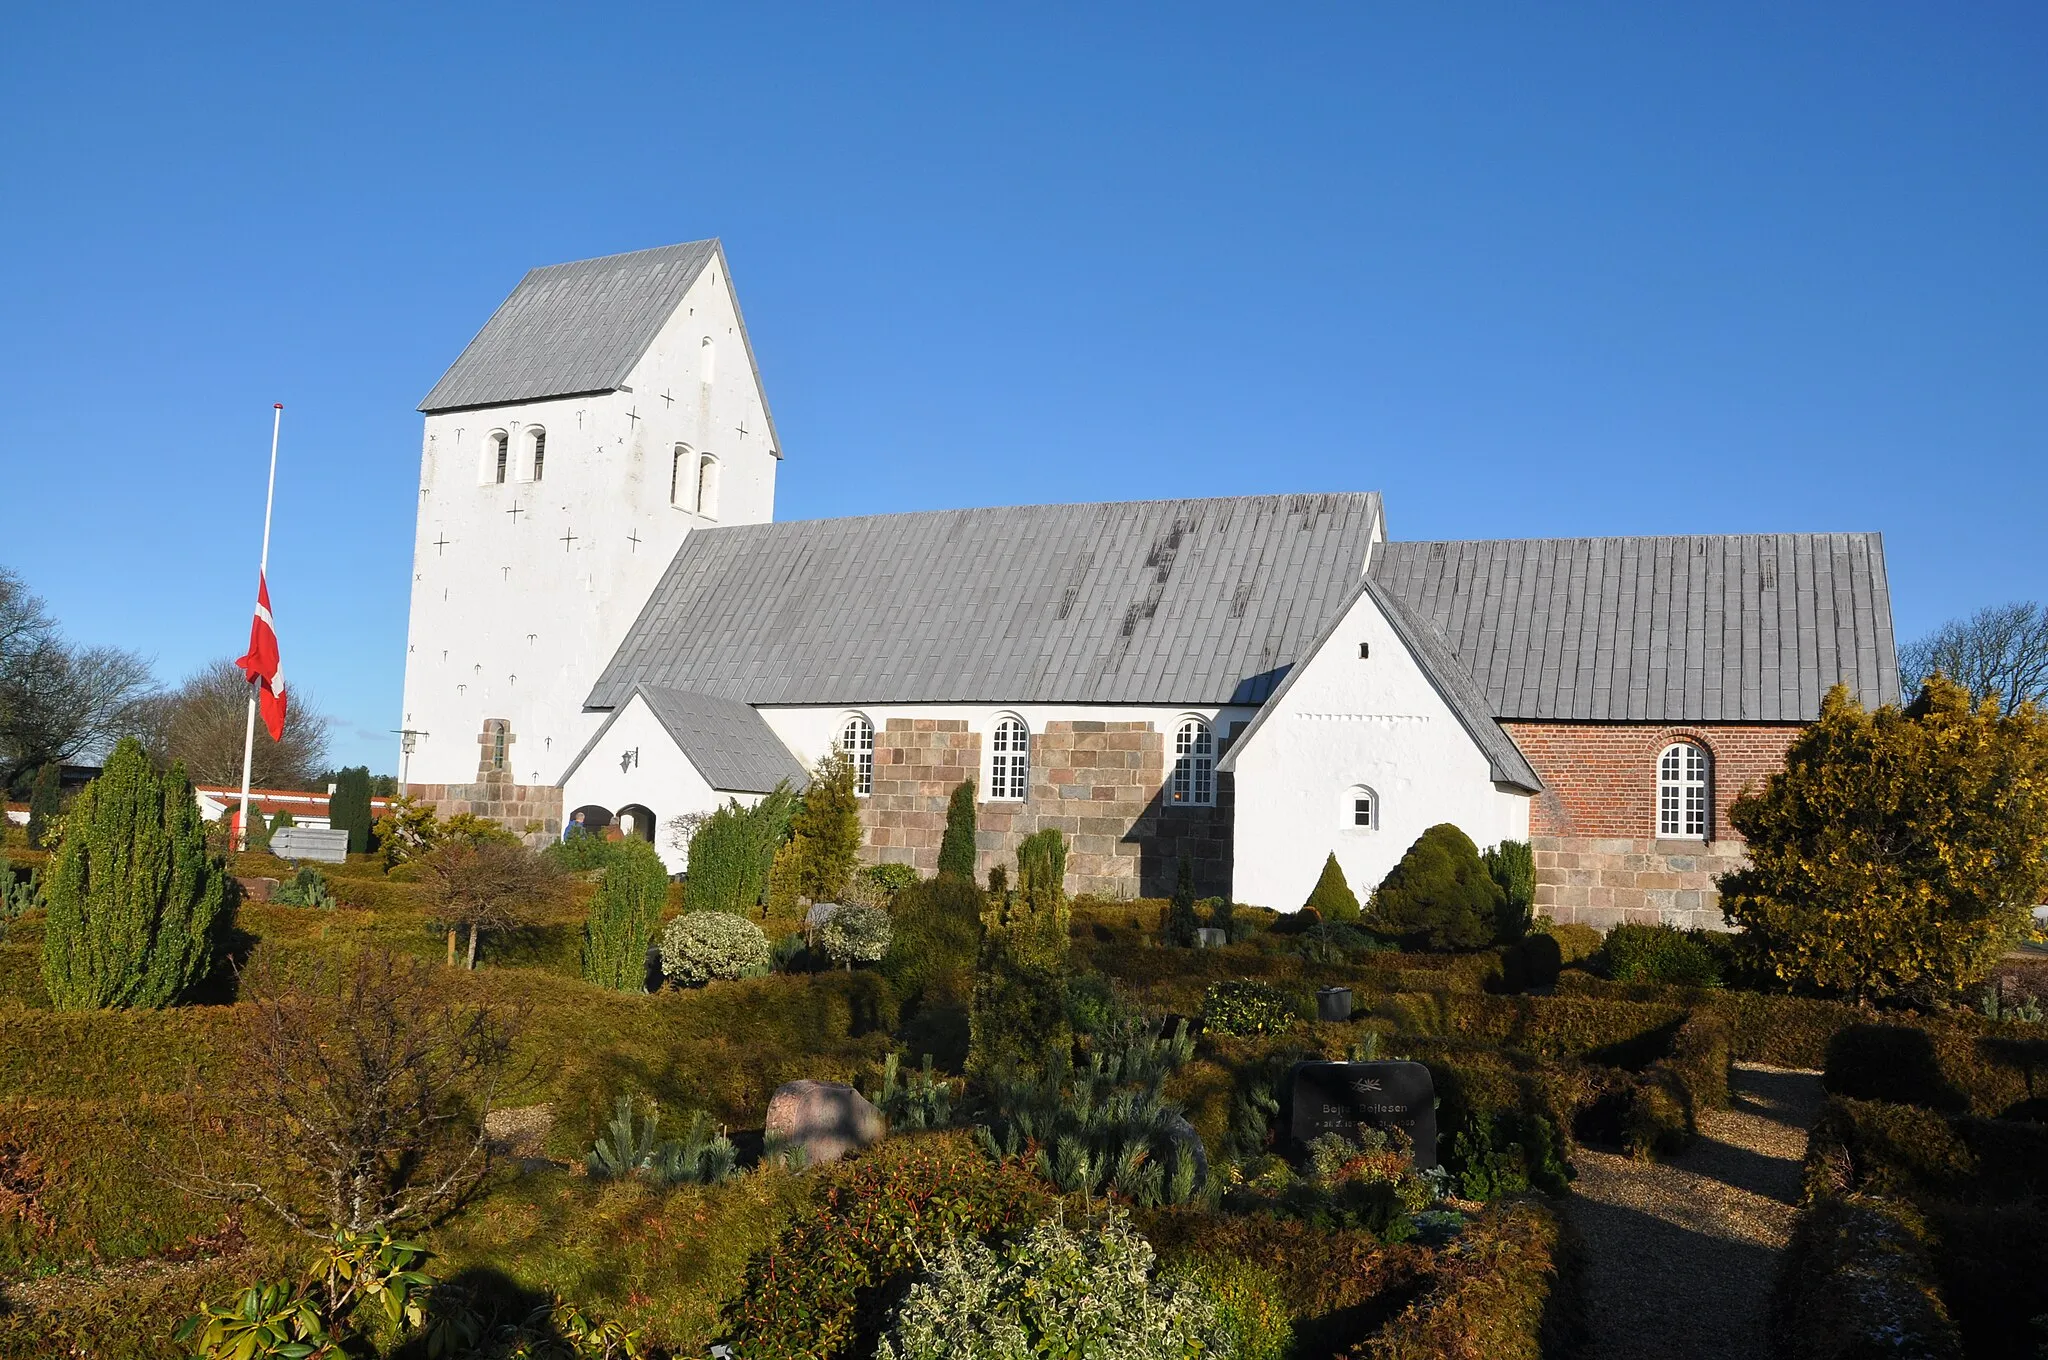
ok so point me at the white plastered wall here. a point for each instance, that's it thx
(660, 778)
(514, 615)
(1343, 723)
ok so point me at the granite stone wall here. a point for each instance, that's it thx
(493, 794)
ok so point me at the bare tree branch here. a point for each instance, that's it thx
(2000, 652)
(58, 702)
(201, 723)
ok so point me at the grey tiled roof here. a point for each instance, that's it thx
(1698, 628)
(579, 327)
(730, 744)
(1158, 602)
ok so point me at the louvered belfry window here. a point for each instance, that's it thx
(1010, 761)
(1682, 792)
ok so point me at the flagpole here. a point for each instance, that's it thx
(262, 569)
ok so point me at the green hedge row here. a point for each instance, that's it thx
(1510, 1292)
(1879, 1148)
(1858, 1279)
(1975, 1067)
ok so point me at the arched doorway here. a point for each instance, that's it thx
(595, 818)
(637, 820)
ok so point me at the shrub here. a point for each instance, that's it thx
(487, 885)
(937, 933)
(1575, 943)
(826, 827)
(1183, 927)
(45, 806)
(135, 902)
(1439, 896)
(307, 888)
(1018, 1018)
(890, 878)
(1856, 1280)
(348, 807)
(407, 830)
(1512, 866)
(582, 852)
(1872, 1147)
(1057, 1291)
(631, 1147)
(623, 918)
(707, 946)
(1660, 954)
(1332, 899)
(856, 934)
(956, 849)
(1247, 1010)
(1506, 1293)
(1898, 853)
(821, 1290)
(1508, 1152)
(732, 850)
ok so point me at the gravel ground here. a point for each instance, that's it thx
(1681, 1255)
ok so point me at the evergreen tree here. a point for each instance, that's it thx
(1182, 927)
(348, 809)
(827, 826)
(1439, 896)
(136, 904)
(624, 916)
(1512, 866)
(723, 872)
(1332, 898)
(45, 802)
(1018, 1017)
(956, 851)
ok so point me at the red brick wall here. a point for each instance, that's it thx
(1601, 778)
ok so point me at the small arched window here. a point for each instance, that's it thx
(1009, 761)
(857, 742)
(1361, 808)
(707, 362)
(682, 479)
(501, 453)
(538, 452)
(1682, 773)
(707, 486)
(498, 735)
(1194, 765)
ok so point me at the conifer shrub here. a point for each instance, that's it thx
(348, 808)
(624, 915)
(956, 850)
(1332, 898)
(136, 905)
(1439, 896)
(1183, 927)
(1512, 866)
(891, 879)
(711, 946)
(937, 936)
(826, 825)
(1018, 1017)
(1898, 853)
(1660, 954)
(307, 888)
(45, 805)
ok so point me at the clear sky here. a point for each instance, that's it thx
(1529, 270)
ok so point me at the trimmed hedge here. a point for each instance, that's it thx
(1615, 1033)
(1856, 1281)
(1509, 1291)
(1991, 1260)
(1874, 1147)
(1955, 1067)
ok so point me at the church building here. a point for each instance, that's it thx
(607, 619)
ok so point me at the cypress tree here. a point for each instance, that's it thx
(1018, 1018)
(956, 851)
(1332, 898)
(1182, 927)
(623, 917)
(135, 902)
(827, 825)
(44, 804)
(1439, 896)
(349, 808)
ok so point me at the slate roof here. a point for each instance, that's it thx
(1194, 602)
(1694, 628)
(731, 745)
(580, 327)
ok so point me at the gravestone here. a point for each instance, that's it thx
(1336, 1097)
(1212, 937)
(309, 842)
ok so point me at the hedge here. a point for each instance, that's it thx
(1991, 1260)
(1875, 1147)
(1616, 1033)
(1954, 1067)
(1505, 1290)
(1857, 1280)
(824, 1285)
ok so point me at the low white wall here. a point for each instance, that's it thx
(1346, 722)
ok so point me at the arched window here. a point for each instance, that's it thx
(682, 479)
(857, 741)
(539, 448)
(498, 734)
(1009, 762)
(707, 486)
(707, 362)
(1361, 808)
(1194, 765)
(501, 451)
(1682, 791)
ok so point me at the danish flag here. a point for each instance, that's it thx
(262, 665)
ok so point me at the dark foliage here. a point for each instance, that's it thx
(1439, 896)
(1660, 954)
(1183, 928)
(956, 849)
(348, 809)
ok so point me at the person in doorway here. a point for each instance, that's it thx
(575, 827)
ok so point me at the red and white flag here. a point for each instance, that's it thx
(262, 664)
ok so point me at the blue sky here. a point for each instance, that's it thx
(1530, 271)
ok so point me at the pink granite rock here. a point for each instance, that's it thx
(827, 1119)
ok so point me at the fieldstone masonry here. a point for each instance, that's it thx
(495, 795)
(1593, 829)
(1099, 783)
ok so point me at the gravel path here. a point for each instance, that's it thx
(1680, 1255)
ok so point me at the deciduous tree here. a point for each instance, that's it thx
(486, 885)
(201, 723)
(1997, 653)
(58, 701)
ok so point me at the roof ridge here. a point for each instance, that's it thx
(1356, 496)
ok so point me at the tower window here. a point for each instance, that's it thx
(501, 450)
(1009, 768)
(857, 742)
(540, 453)
(1361, 809)
(1682, 772)
(682, 479)
(707, 486)
(707, 362)
(1194, 765)
(498, 731)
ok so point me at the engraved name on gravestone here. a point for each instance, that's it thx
(1336, 1097)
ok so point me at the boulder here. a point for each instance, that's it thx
(827, 1119)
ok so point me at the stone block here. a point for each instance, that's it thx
(827, 1119)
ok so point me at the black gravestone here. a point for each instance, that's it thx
(1336, 1097)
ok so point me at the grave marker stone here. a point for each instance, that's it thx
(1336, 1097)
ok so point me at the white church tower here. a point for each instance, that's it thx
(607, 408)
